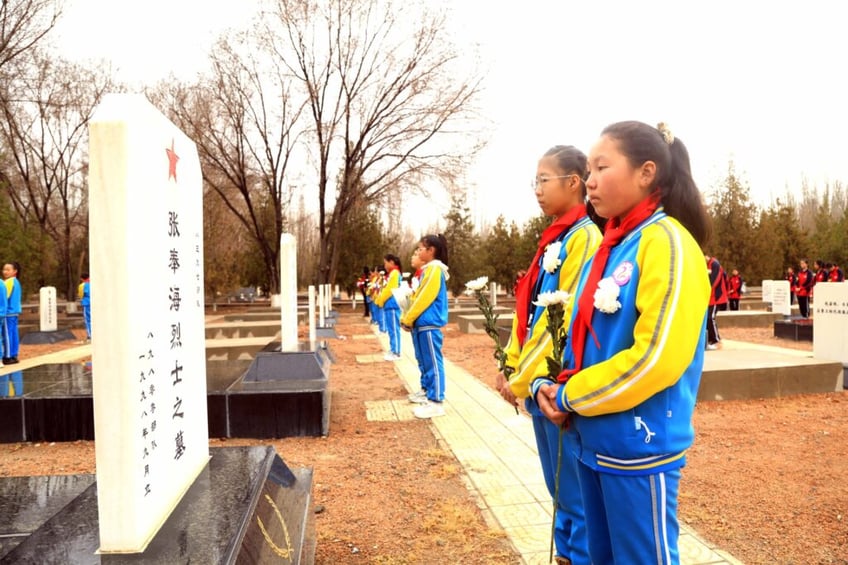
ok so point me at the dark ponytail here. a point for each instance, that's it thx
(439, 243)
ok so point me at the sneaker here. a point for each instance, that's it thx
(429, 410)
(419, 399)
(10, 360)
(390, 357)
(712, 347)
(417, 394)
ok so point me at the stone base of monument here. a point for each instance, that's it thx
(54, 402)
(40, 338)
(282, 394)
(800, 329)
(246, 506)
(327, 331)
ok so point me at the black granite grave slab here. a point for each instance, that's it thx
(39, 337)
(26, 503)
(794, 329)
(54, 402)
(246, 506)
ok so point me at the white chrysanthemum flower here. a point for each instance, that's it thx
(477, 284)
(553, 297)
(606, 297)
(551, 259)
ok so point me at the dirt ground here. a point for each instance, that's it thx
(765, 479)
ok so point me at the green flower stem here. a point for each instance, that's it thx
(492, 331)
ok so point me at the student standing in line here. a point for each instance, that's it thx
(718, 300)
(391, 309)
(635, 351)
(806, 281)
(84, 294)
(419, 396)
(734, 289)
(564, 248)
(362, 285)
(11, 338)
(836, 274)
(792, 279)
(426, 316)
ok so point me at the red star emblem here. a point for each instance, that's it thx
(172, 162)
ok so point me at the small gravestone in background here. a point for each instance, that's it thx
(47, 309)
(830, 323)
(48, 326)
(780, 298)
(768, 287)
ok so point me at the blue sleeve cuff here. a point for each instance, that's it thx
(562, 401)
(537, 384)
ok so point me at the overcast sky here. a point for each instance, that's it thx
(761, 83)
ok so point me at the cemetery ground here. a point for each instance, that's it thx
(765, 480)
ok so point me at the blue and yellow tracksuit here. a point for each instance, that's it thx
(578, 245)
(633, 400)
(11, 341)
(427, 315)
(84, 294)
(391, 310)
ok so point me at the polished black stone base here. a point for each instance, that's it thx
(800, 329)
(246, 506)
(54, 403)
(39, 337)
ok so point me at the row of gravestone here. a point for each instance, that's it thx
(153, 461)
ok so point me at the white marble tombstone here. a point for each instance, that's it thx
(146, 247)
(288, 293)
(768, 286)
(311, 315)
(47, 309)
(780, 298)
(830, 322)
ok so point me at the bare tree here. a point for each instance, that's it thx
(23, 24)
(242, 119)
(44, 131)
(390, 103)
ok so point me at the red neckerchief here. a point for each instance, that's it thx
(524, 288)
(615, 231)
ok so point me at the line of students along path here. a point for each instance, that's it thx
(497, 450)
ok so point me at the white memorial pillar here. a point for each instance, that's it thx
(288, 293)
(493, 299)
(47, 309)
(337, 292)
(149, 386)
(321, 305)
(311, 315)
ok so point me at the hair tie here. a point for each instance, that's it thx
(665, 132)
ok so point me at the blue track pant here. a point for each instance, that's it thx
(11, 343)
(430, 345)
(631, 519)
(393, 328)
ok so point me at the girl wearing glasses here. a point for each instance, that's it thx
(563, 249)
(635, 350)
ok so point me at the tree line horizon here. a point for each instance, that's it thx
(376, 108)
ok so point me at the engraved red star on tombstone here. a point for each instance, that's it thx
(172, 162)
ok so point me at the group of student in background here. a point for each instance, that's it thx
(418, 306)
(802, 283)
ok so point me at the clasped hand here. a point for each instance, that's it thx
(546, 399)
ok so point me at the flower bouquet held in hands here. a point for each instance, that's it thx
(554, 302)
(477, 287)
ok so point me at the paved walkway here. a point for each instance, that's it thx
(497, 450)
